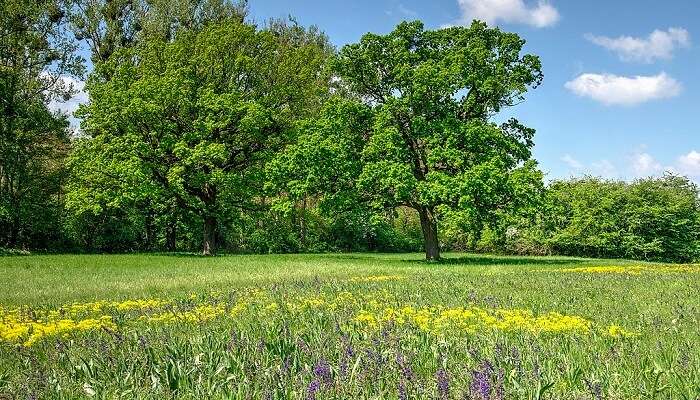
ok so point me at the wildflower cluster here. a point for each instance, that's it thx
(447, 321)
(14, 328)
(375, 278)
(27, 326)
(633, 269)
(357, 312)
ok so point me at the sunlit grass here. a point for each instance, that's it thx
(347, 326)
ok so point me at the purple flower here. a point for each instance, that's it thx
(481, 381)
(500, 385)
(343, 366)
(487, 366)
(349, 351)
(312, 389)
(403, 393)
(514, 354)
(301, 344)
(405, 367)
(286, 365)
(499, 351)
(347, 354)
(376, 357)
(443, 384)
(322, 371)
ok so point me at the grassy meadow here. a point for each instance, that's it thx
(364, 326)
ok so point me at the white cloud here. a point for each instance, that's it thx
(603, 168)
(639, 164)
(658, 45)
(644, 164)
(572, 162)
(539, 15)
(611, 89)
(407, 11)
(402, 11)
(689, 164)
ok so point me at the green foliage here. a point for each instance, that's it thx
(109, 25)
(431, 144)
(36, 55)
(647, 219)
(194, 120)
(205, 130)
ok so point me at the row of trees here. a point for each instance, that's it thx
(653, 218)
(205, 130)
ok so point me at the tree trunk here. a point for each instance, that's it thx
(171, 235)
(429, 226)
(150, 233)
(210, 222)
(209, 235)
(302, 225)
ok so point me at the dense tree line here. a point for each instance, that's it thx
(650, 219)
(207, 131)
(35, 52)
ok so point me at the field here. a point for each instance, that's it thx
(367, 326)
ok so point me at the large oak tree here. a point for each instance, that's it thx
(433, 144)
(195, 118)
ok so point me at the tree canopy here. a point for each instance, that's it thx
(205, 129)
(36, 57)
(433, 145)
(195, 119)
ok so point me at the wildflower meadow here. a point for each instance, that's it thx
(326, 200)
(356, 326)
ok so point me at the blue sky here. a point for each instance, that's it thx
(621, 90)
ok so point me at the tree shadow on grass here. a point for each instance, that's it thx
(500, 260)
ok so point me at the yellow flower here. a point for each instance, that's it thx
(450, 320)
(366, 318)
(375, 278)
(633, 269)
(616, 331)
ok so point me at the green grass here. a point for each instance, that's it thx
(283, 353)
(55, 279)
